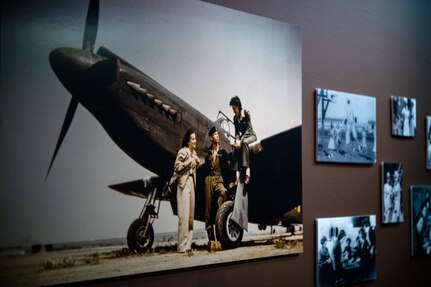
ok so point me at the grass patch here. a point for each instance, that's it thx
(283, 243)
(59, 263)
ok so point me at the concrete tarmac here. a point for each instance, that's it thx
(77, 265)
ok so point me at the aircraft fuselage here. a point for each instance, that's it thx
(148, 122)
(142, 117)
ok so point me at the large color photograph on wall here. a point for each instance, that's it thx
(345, 127)
(134, 125)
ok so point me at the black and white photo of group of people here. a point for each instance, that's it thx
(421, 220)
(346, 250)
(392, 176)
(403, 116)
(346, 127)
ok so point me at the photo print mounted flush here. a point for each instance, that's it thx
(346, 250)
(403, 116)
(420, 201)
(392, 192)
(345, 127)
(130, 92)
(428, 142)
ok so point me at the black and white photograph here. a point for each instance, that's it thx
(345, 127)
(403, 115)
(428, 142)
(133, 130)
(392, 192)
(420, 199)
(346, 250)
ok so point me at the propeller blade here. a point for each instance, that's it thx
(66, 124)
(91, 25)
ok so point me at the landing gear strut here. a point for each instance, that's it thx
(140, 236)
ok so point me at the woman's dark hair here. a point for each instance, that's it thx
(323, 240)
(341, 234)
(410, 103)
(235, 101)
(186, 137)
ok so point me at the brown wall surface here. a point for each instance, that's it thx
(375, 48)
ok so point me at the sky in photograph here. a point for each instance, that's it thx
(364, 106)
(203, 53)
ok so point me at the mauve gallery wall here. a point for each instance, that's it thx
(374, 48)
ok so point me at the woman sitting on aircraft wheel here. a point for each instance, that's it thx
(244, 136)
(185, 166)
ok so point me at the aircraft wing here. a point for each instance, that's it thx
(141, 187)
(276, 177)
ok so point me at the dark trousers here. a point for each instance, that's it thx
(241, 156)
(214, 188)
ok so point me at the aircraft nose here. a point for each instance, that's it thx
(69, 65)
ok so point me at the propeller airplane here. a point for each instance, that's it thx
(147, 122)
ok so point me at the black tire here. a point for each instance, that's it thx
(228, 232)
(136, 239)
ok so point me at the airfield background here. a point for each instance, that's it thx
(376, 48)
(33, 105)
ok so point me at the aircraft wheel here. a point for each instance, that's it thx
(138, 240)
(228, 232)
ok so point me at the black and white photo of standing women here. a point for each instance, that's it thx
(403, 116)
(392, 193)
(345, 127)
